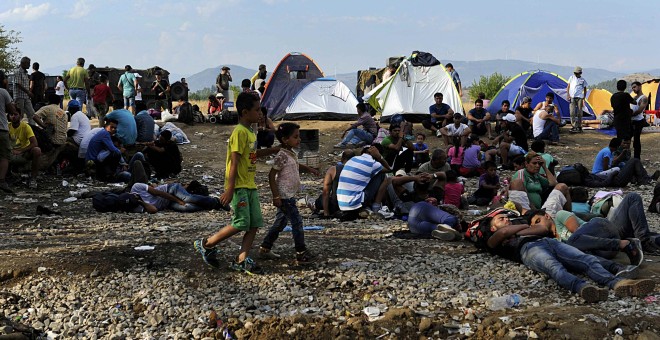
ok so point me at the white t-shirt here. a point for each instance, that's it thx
(84, 144)
(138, 95)
(143, 190)
(452, 130)
(80, 123)
(577, 86)
(60, 86)
(640, 115)
(537, 123)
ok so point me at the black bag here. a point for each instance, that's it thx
(423, 59)
(111, 202)
(186, 114)
(569, 175)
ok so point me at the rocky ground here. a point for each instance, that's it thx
(79, 275)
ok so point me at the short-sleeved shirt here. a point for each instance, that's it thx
(56, 117)
(478, 114)
(21, 77)
(471, 157)
(388, 153)
(548, 160)
(442, 110)
(534, 184)
(38, 79)
(455, 78)
(525, 111)
(21, 135)
(163, 84)
(353, 179)
(578, 85)
(126, 127)
(244, 142)
(142, 189)
(453, 192)
(59, 88)
(79, 123)
(560, 223)
(77, 75)
(101, 93)
(429, 169)
(5, 99)
(288, 173)
(84, 144)
(598, 163)
(621, 102)
(456, 159)
(127, 81)
(145, 127)
(453, 130)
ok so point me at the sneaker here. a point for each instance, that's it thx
(438, 133)
(219, 205)
(5, 187)
(340, 146)
(574, 130)
(208, 255)
(650, 248)
(634, 251)
(591, 293)
(305, 257)
(628, 272)
(446, 233)
(247, 266)
(267, 254)
(626, 287)
(385, 212)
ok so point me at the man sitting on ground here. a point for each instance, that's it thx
(25, 148)
(103, 152)
(479, 119)
(327, 201)
(144, 124)
(440, 114)
(512, 142)
(545, 124)
(499, 115)
(457, 129)
(53, 120)
(524, 114)
(354, 137)
(614, 162)
(164, 156)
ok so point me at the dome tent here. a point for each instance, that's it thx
(323, 99)
(535, 84)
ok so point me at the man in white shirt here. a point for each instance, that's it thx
(638, 118)
(457, 129)
(576, 92)
(79, 125)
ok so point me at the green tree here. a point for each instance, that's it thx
(9, 53)
(489, 85)
(609, 85)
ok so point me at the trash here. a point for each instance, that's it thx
(618, 331)
(305, 228)
(70, 199)
(504, 302)
(651, 299)
(310, 310)
(474, 212)
(466, 329)
(145, 248)
(373, 313)
(65, 183)
(506, 319)
(197, 166)
(55, 205)
(207, 178)
(41, 269)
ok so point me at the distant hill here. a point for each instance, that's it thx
(206, 78)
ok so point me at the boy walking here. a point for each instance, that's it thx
(240, 189)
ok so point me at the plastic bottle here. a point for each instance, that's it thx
(505, 301)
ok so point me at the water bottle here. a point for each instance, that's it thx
(505, 301)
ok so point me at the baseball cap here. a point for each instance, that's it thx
(510, 118)
(74, 103)
(400, 172)
(578, 69)
(527, 99)
(219, 95)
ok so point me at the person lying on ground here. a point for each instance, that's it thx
(403, 191)
(457, 129)
(164, 156)
(512, 142)
(533, 191)
(426, 217)
(356, 138)
(25, 148)
(536, 248)
(174, 197)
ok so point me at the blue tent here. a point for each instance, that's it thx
(535, 84)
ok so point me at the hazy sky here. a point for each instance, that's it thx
(187, 36)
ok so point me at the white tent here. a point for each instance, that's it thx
(410, 92)
(324, 99)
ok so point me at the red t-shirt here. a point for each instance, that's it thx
(101, 93)
(453, 192)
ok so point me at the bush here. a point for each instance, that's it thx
(489, 85)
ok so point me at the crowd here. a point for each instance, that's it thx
(535, 217)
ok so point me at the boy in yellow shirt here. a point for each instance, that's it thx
(25, 148)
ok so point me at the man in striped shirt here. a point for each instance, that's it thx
(362, 182)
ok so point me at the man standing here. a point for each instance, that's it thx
(161, 88)
(128, 86)
(455, 78)
(577, 91)
(77, 81)
(37, 84)
(22, 94)
(441, 114)
(222, 81)
(621, 102)
(638, 119)
(5, 141)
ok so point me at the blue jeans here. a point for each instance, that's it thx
(599, 237)
(550, 131)
(79, 95)
(629, 218)
(193, 202)
(288, 211)
(632, 170)
(554, 258)
(423, 218)
(129, 102)
(355, 136)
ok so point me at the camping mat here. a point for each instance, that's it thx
(612, 131)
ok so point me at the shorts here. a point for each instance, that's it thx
(247, 209)
(5, 145)
(23, 158)
(520, 197)
(129, 101)
(515, 150)
(554, 203)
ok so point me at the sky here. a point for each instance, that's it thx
(188, 36)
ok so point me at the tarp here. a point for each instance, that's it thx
(293, 72)
(535, 84)
(599, 100)
(410, 92)
(323, 99)
(650, 89)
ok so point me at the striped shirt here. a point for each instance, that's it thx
(353, 179)
(21, 77)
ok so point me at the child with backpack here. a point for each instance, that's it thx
(284, 179)
(240, 189)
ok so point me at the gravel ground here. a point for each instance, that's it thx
(79, 275)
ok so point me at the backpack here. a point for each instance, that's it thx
(477, 231)
(186, 114)
(423, 59)
(573, 174)
(111, 202)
